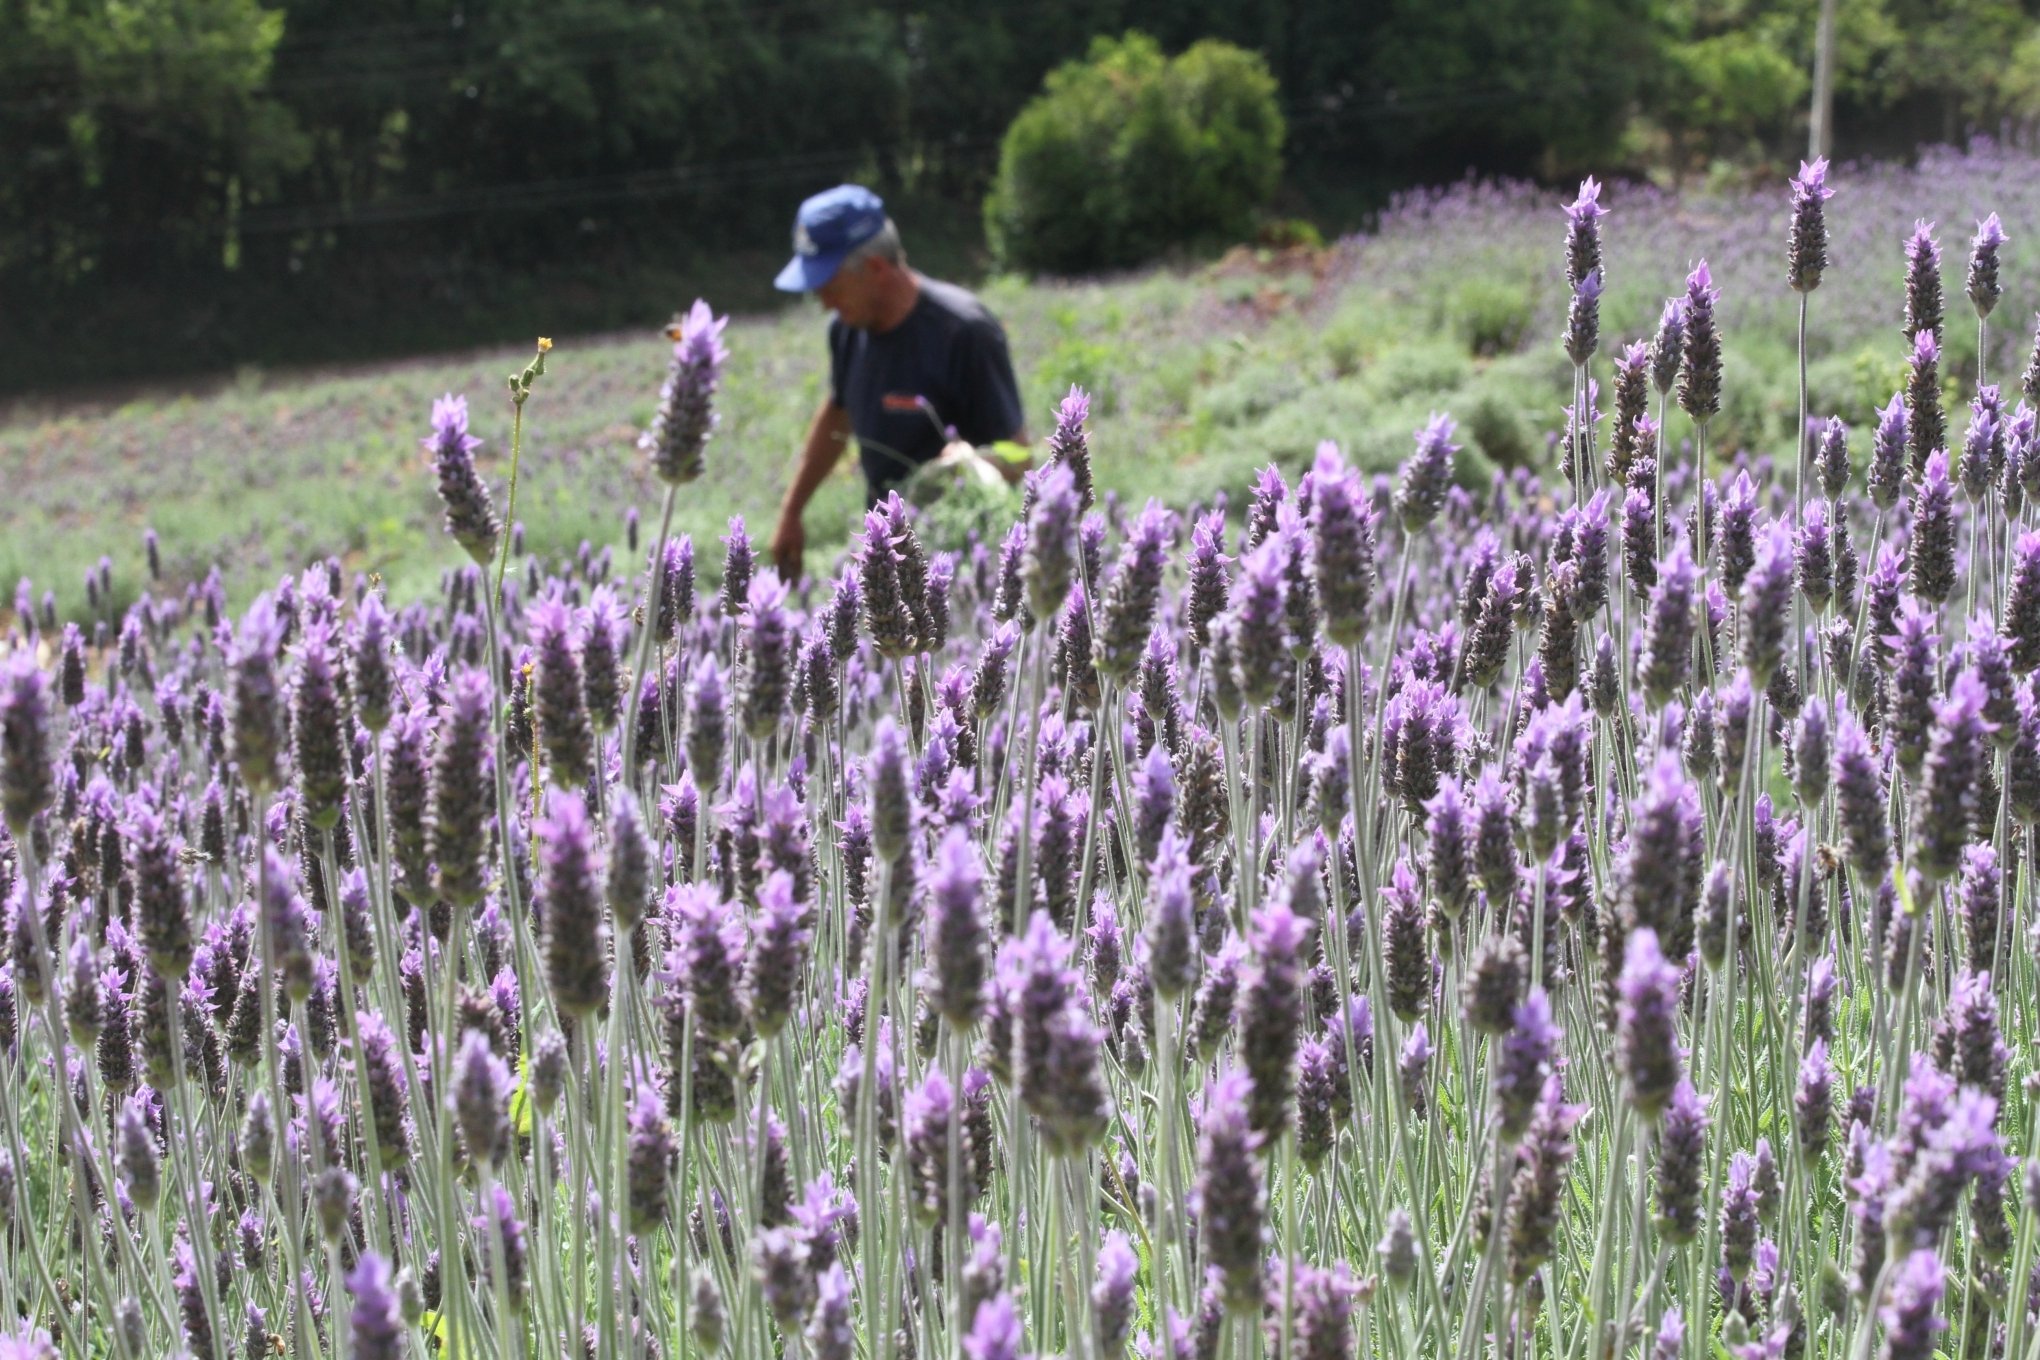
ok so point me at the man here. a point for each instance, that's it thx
(915, 365)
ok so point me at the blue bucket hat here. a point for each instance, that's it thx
(826, 229)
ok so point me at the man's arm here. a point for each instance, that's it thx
(827, 436)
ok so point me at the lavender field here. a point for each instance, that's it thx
(1401, 908)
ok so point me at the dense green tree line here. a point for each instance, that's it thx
(164, 151)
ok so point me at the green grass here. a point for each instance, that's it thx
(1199, 376)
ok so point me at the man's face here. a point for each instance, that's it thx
(852, 294)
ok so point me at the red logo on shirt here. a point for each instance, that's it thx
(901, 401)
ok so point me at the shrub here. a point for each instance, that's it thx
(1492, 316)
(1128, 152)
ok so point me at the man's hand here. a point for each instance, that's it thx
(789, 545)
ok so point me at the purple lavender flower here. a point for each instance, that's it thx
(1926, 423)
(576, 930)
(1968, 1042)
(1205, 588)
(1660, 872)
(1767, 603)
(1262, 664)
(1669, 1342)
(1583, 232)
(1049, 564)
(1127, 607)
(1171, 946)
(559, 699)
(1583, 320)
(470, 518)
(1907, 1312)
(1681, 1165)
(1627, 441)
(686, 415)
(1931, 552)
(1946, 800)
(1069, 446)
(318, 744)
(1814, 558)
(957, 937)
(1983, 288)
(1806, 240)
(1342, 550)
(1112, 1293)
(1813, 1103)
(1412, 1067)
(1522, 1062)
(135, 1149)
(1700, 352)
(1427, 473)
(1668, 346)
(777, 960)
(1888, 453)
(1983, 446)
(649, 1163)
(708, 960)
(1269, 1012)
(382, 1062)
(1448, 849)
(457, 819)
(33, 1343)
(2020, 626)
(1405, 955)
(1739, 1216)
(375, 1325)
(995, 1331)
(191, 1308)
(1831, 458)
(830, 1333)
(707, 724)
(1860, 784)
(1484, 651)
(1536, 1195)
(1056, 1044)
(480, 1099)
(886, 772)
(1666, 663)
(884, 570)
(1647, 1041)
(1231, 1202)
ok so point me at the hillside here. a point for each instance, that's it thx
(1199, 375)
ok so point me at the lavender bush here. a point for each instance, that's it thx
(1587, 917)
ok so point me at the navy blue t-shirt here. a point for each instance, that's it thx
(945, 365)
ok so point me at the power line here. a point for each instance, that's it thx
(653, 185)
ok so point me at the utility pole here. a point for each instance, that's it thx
(1820, 133)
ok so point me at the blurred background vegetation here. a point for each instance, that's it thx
(192, 185)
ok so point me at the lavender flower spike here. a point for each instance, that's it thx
(376, 1323)
(1647, 1044)
(1908, 1312)
(1983, 287)
(1583, 233)
(470, 517)
(1427, 474)
(1069, 445)
(570, 891)
(686, 416)
(1700, 360)
(27, 779)
(1807, 240)
(1231, 1203)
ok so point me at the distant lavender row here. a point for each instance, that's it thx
(1429, 238)
(1591, 917)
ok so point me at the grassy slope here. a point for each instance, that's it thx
(1198, 377)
